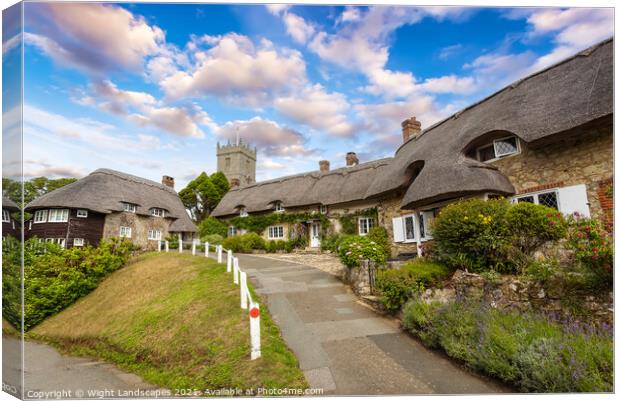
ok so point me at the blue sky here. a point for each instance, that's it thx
(150, 89)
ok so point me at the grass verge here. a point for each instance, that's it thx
(175, 320)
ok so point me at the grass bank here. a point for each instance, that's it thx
(174, 320)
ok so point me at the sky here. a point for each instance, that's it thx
(149, 89)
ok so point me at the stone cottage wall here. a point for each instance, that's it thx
(140, 226)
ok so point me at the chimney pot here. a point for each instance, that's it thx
(352, 159)
(412, 128)
(324, 165)
(168, 181)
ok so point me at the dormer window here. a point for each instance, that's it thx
(158, 212)
(129, 207)
(498, 149)
(243, 212)
(279, 208)
(323, 209)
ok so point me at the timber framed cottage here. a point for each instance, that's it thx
(546, 139)
(106, 204)
(10, 226)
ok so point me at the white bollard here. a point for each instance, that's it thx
(180, 246)
(159, 246)
(219, 254)
(244, 290)
(206, 249)
(236, 270)
(167, 246)
(229, 260)
(194, 248)
(255, 330)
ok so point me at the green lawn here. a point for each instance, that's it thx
(175, 320)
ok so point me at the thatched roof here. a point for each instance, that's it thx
(9, 204)
(566, 95)
(314, 188)
(546, 104)
(105, 190)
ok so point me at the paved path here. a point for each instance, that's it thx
(346, 348)
(48, 374)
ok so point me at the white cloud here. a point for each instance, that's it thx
(315, 107)
(298, 28)
(277, 9)
(267, 163)
(11, 43)
(449, 84)
(449, 51)
(93, 37)
(268, 136)
(350, 14)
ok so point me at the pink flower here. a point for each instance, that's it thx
(552, 223)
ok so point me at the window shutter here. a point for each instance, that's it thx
(398, 229)
(574, 199)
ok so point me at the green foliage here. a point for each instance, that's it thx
(279, 245)
(380, 236)
(355, 248)
(213, 239)
(398, 285)
(33, 188)
(210, 226)
(593, 249)
(330, 242)
(259, 223)
(54, 278)
(531, 352)
(244, 243)
(543, 270)
(203, 194)
(348, 222)
(534, 225)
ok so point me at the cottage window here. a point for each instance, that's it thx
(498, 148)
(82, 213)
(276, 232)
(568, 200)
(232, 231)
(243, 212)
(58, 215)
(6, 217)
(58, 241)
(78, 241)
(279, 207)
(365, 224)
(154, 235)
(413, 227)
(125, 232)
(129, 207)
(40, 216)
(323, 209)
(157, 212)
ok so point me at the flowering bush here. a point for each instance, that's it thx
(534, 225)
(353, 249)
(593, 248)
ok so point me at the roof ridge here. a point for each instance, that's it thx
(133, 178)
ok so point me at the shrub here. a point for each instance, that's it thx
(244, 243)
(593, 249)
(54, 278)
(211, 226)
(380, 236)
(398, 285)
(529, 351)
(542, 270)
(331, 242)
(213, 239)
(355, 248)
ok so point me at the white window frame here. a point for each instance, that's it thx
(279, 208)
(82, 213)
(154, 235)
(130, 207)
(323, 209)
(275, 232)
(125, 232)
(494, 145)
(6, 216)
(40, 216)
(158, 212)
(243, 212)
(369, 225)
(417, 219)
(58, 216)
(232, 231)
(536, 194)
(78, 241)
(570, 199)
(58, 241)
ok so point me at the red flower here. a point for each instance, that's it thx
(552, 223)
(594, 257)
(594, 249)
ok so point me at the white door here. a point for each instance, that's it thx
(315, 232)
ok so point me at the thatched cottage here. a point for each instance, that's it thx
(10, 226)
(108, 203)
(546, 139)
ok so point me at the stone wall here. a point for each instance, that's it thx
(140, 226)
(517, 293)
(360, 278)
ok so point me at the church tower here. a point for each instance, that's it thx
(237, 162)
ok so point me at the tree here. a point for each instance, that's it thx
(33, 188)
(203, 194)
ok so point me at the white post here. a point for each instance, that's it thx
(236, 270)
(255, 330)
(206, 249)
(180, 243)
(229, 260)
(219, 254)
(158, 245)
(244, 290)
(194, 247)
(167, 247)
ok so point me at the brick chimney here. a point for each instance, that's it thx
(324, 166)
(234, 183)
(168, 181)
(411, 129)
(352, 159)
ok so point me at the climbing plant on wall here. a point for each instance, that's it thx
(259, 223)
(349, 221)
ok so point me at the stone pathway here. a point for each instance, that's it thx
(345, 348)
(326, 262)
